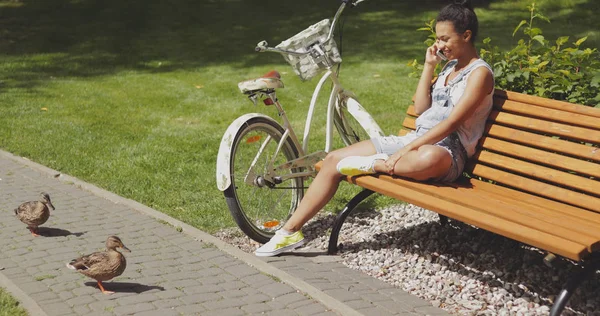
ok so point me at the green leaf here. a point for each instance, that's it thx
(523, 22)
(487, 40)
(561, 40)
(539, 39)
(424, 29)
(541, 17)
(581, 40)
(543, 63)
(533, 32)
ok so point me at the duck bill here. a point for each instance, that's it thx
(51, 205)
(125, 248)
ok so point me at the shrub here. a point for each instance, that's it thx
(539, 67)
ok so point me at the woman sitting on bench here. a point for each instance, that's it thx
(452, 118)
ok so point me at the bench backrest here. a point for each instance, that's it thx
(544, 147)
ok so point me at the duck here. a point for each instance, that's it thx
(102, 265)
(35, 213)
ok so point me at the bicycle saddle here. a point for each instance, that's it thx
(270, 80)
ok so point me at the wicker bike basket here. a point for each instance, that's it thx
(305, 66)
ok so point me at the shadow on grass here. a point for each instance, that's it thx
(87, 38)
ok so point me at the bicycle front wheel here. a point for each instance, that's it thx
(263, 192)
(351, 130)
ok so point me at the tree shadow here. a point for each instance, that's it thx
(88, 38)
(126, 287)
(56, 232)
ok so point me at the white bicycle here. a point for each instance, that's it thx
(261, 167)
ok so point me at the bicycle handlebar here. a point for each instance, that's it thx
(262, 46)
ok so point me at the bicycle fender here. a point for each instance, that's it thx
(224, 155)
(364, 118)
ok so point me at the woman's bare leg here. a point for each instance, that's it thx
(325, 184)
(429, 161)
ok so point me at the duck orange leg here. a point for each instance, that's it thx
(102, 288)
(33, 231)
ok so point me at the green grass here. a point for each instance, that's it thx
(9, 306)
(134, 96)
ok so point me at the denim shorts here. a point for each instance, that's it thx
(391, 144)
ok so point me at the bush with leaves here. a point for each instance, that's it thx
(539, 67)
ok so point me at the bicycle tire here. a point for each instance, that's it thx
(349, 128)
(260, 207)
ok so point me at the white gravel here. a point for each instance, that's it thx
(459, 268)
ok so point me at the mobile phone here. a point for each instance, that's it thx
(441, 54)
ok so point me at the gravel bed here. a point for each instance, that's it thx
(459, 268)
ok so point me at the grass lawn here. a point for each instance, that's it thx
(134, 96)
(9, 306)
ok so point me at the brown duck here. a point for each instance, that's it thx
(102, 265)
(35, 213)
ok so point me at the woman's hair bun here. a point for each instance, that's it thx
(465, 3)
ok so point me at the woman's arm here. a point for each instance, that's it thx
(479, 85)
(423, 93)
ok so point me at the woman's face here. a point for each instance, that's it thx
(449, 41)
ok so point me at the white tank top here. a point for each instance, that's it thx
(444, 97)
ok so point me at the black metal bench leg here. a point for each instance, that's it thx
(571, 286)
(341, 217)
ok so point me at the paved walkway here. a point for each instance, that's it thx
(173, 269)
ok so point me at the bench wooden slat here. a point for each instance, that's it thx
(532, 139)
(543, 157)
(519, 196)
(538, 172)
(535, 187)
(548, 103)
(529, 215)
(409, 122)
(482, 220)
(552, 128)
(545, 142)
(549, 114)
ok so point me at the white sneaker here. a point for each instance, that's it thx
(280, 243)
(358, 165)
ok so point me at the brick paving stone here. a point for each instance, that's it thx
(276, 289)
(58, 309)
(342, 295)
(133, 309)
(209, 288)
(81, 310)
(159, 312)
(223, 304)
(103, 306)
(200, 298)
(298, 304)
(377, 310)
(167, 303)
(310, 309)
(191, 309)
(257, 308)
(256, 298)
(81, 300)
(224, 312)
(359, 304)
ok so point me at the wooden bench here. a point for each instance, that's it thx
(535, 178)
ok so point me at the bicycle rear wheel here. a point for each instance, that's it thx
(259, 201)
(350, 129)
